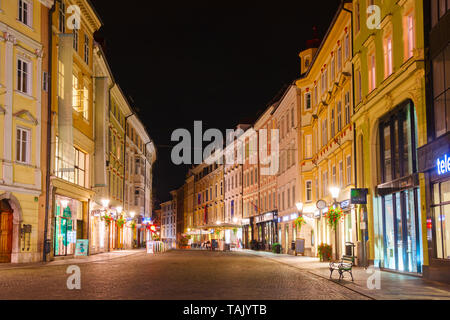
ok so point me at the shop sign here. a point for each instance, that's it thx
(443, 165)
(294, 216)
(96, 213)
(82, 248)
(72, 236)
(285, 218)
(67, 213)
(317, 214)
(266, 217)
(345, 204)
(359, 196)
(245, 222)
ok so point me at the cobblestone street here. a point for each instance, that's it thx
(175, 275)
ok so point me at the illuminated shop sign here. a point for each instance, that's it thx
(443, 165)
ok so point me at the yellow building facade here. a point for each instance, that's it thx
(326, 136)
(72, 136)
(21, 94)
(390, 121)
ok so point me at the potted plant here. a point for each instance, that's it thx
(324, 251)
(276, 248)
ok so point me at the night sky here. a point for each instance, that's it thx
(216, 61)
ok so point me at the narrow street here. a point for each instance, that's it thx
(176, 275)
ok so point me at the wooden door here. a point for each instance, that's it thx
(6, 229)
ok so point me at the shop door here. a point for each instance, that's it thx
(6, 227)
(400, 227)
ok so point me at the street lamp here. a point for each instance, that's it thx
(299, 207)
(219, 222)
(335, 195)
(132, 214)
(105, 203)
(235, 220)
(119, 210)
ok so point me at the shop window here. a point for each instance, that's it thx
(441, 212)
(441, 92)
(398, 145)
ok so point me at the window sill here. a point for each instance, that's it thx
(26, 25)
(25, 95)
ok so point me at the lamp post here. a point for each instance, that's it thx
(335, 195)
(105, 205)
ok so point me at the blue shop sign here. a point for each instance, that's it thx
(443, 165)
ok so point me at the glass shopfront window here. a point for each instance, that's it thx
(65, 235)
(441, 219)
(399, 193)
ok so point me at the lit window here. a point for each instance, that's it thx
(349, 170)
(75, 94)
(388, 68)
(410, 33)
(372, 72)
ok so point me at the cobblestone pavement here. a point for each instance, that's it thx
(176, 275)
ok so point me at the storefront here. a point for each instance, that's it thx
(434, 161)
(247, 232)
(66, 229)
(397, 204)
(266, 226)
(98, 232)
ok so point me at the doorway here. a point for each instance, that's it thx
(6, 231)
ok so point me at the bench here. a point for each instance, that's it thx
(342, 266)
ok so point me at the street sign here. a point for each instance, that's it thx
(359, 196)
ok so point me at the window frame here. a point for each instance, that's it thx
(20, 141)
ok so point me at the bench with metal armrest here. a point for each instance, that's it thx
(342, 266)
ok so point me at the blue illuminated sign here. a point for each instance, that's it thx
(443, 165)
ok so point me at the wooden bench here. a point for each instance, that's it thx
(344, 265)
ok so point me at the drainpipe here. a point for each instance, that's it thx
(124, 161)
(145, 176)
(49, 131)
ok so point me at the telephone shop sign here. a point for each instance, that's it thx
(443, 165)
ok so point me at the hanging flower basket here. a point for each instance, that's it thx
(107, 218)
(299, 222)
(120, 222)
(333, 216)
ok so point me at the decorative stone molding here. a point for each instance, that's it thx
(9, 38)
(26, 116)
